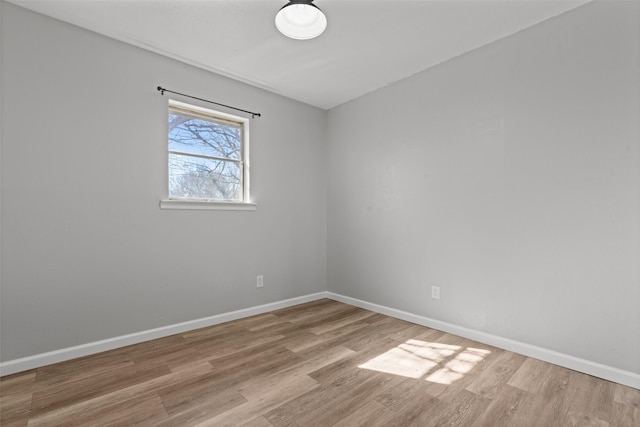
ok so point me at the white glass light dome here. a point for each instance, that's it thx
(301, 20)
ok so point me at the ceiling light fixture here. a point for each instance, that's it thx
(301, 20)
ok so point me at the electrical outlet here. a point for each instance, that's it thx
(435, 292)
(260, 281)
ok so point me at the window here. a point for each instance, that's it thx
(208, 155)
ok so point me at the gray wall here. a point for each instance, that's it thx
(510, 177)
(86, 252)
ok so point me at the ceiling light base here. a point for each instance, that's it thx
(301, 20)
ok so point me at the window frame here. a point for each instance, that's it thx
(243, 162)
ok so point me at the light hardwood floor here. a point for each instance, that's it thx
(318, 364)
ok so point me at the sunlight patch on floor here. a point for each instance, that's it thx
(460, 365)
(415, 359)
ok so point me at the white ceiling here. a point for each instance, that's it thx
(367, 45)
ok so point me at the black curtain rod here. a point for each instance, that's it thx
(163, 90)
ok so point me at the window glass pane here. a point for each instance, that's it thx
(198, 178)
(203, 137)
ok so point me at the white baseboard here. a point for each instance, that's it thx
(609, 373)
(38, 360)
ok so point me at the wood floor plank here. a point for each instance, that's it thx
(409, 401)
(502, 409)
(183, 396)
(258, 422)
(548, 405)
(464, 410)
(335, 379)
(194, 410)
(104, 402)
(319, 324)
(390, 325)
(583, 420)
(226, 375)
(83, 367)
(445, 380)
(249, 355)
(342, 321)
(531, 375)
(495, 376)
(311, 312)
(376, 317)
(314, 342)
(590, 398)
(65, 394)
(138, 410)
(258, 385)
(625, 415)
(317, 364)
(252, 409)
(16, 422)
(260, 321)
(172, 358)
(17, 383)
(219, 331)
(371, 414)
(15, 407)
(405, 394)
(221, 348)
(627, 396)
(262, 365)
(348, 367)
(333, 411)
(405, 332)
(626, 408)
(287, 413)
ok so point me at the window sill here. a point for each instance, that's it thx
(205, 205)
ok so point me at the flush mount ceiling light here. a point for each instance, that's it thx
(301, 20)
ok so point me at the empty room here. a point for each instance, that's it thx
(320, 213)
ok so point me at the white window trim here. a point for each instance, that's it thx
(214, 205)
(201, 204)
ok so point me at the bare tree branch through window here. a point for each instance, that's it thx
(205, 157)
